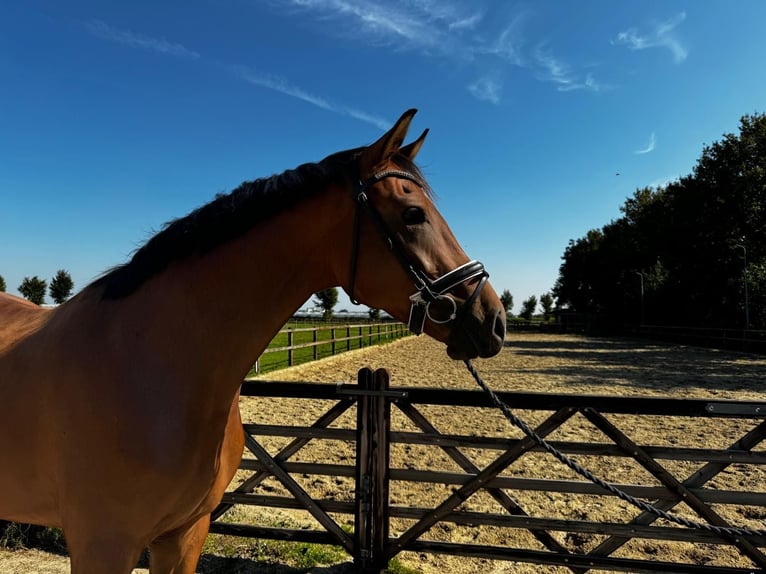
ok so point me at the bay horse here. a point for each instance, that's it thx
(119, 418)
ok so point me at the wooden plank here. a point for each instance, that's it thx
(579, 487)
(468, 441)
(521, 401)
(584, 561)
(581, 448)
(285, 534)
(310, 432)
(272, 501)
(580, 526)
(381, 414)
(465, 518)
(371, 525)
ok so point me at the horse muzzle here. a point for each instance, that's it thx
(478, 338)
(473, 332)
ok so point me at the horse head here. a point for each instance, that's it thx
(406, 260)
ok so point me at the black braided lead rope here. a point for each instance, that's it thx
(584, 472)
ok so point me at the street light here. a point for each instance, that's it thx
(744, 275)
(641, 276)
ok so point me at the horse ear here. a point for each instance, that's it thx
(386, 146)
(411, 150)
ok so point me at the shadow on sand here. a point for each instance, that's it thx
(638, 363)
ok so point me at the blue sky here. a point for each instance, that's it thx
(117, 117)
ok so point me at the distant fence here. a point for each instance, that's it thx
(293, 346)
(738, 339)
(734, 339)
(697, 480)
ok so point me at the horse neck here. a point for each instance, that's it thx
(217, 313)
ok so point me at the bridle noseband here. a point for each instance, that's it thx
(428, 291)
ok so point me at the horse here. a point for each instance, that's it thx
(119, 418)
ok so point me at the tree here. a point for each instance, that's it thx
(374, 313)
(61, 286)
(33, 289)
(507, 300)
(546, 302)
(2, 284)
(678, 251)
(528, 308)
(327, 299)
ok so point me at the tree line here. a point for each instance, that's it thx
(326, 299)
(690, 253)
(33, 288)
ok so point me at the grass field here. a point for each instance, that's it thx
(321, 339)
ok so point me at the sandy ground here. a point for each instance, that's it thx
(530, 362)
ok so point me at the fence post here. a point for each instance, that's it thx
(290, 350)
(332, 337)
(371, 513)
(314, 340)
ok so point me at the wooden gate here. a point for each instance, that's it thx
(699, 482)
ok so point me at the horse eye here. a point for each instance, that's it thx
(414, 216)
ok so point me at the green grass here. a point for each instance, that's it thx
(301, 556)
(300, 333)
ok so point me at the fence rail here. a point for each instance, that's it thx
(737, 339)
(326, 340)
(689, 479)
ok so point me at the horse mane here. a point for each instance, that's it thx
(229, 216)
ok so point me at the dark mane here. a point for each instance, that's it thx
(229, 216)
(225, 218)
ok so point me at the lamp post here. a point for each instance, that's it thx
(744, 276)
(641, 277)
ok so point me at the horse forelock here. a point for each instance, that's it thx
(403, 162)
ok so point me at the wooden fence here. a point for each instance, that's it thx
(751, 340)
(698, 481)
(328, 340)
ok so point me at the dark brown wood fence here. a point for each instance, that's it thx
(698, 481)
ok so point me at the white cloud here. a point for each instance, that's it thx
(662, 35)
(506, 45)
(663, 181)
(281, 85)
(376, 22)
(487, 89)
(452, 30)
(561, 74)
(467, 23)
(104, 31)
(648, 148)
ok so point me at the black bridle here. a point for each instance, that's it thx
(428, 291)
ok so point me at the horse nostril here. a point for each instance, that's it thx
(500, 325)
